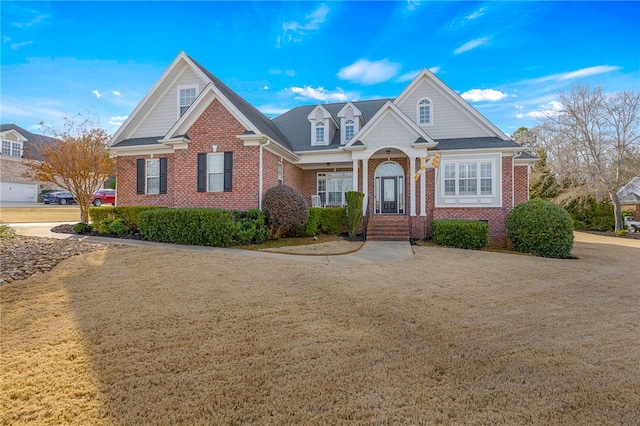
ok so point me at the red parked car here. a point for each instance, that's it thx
(104, 196)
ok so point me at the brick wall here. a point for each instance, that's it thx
(15, 170)
(521, 184)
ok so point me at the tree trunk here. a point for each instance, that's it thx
(84, 213)
(617, 210)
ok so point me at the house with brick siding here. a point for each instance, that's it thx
(424, 155)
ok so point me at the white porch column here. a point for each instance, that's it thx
(365, 184)
(423, 192)
(355, 175)
(412, 187)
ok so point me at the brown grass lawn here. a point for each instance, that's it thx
(44, 214)
(167, 336)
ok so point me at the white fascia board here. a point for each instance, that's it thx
(325, 114)
(141, 150)
(278, 149)
(447, 92)
(324, 157)
(505, 151)
(136, 111)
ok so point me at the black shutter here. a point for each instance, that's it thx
(140, 164)
(228, 170)
(163, 175)
(202, 172)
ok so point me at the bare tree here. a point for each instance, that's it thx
(77, 161)
(593, 143)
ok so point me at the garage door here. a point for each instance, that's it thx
(23, 192)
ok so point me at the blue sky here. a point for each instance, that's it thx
(508, 59)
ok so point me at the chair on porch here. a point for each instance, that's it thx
(316, 201)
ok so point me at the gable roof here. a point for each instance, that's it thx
(32, 142)
(630, 193)
(456, 100)
(294, 124)
(249, 114)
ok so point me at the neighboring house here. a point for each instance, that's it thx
(194, 142)
(629, 196)
(19, 147)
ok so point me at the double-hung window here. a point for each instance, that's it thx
(186, 96)
(215, 172)
(320, 132)
(424, 112)
(153, 176)
(332, 187)
(280, 173)
(462, 178)
(349, 130)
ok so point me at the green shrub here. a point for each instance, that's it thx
(333, 220)
(591, 215)
(117, 227)
(81, 228)
(312, 227)
(354, 211)
(621, 232)
(5, 230)
(542, 228)
(128, 214)
(251, 228)
(285, 210)
(198, 226)
(466, 234)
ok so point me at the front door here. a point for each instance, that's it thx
(389, 195)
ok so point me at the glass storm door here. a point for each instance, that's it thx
(389, 195)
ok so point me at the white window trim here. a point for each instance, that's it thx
(209, 172)
(430, 123)
(180, 88)
(12, 145)
(316, 125)
(344, 129)
(323, 176)
(280, 173)
(478, 163)
(147, 176)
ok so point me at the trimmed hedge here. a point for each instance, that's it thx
(542, 228)
(128, 214)
(466, 234)
(330, 220)
(196, 226)
(203, 226)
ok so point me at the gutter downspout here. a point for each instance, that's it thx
(260, 176)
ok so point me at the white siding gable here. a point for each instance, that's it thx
(164, 114)
(448, 119)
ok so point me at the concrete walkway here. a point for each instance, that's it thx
(371, 251)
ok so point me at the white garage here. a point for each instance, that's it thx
(23, 192)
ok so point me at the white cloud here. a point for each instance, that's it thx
(581, 73)
(320, 94)
(434, 70)
(265, 88)
(30, 23)
(479, 95)
(475, 15)
(98, 94)
(294, 30)
(470, 45)
(275, 71)
(16, 46)
(366, 72)
(116, 93)
(118, 120)
(550, 109)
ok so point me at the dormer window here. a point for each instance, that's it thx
(425, 112)
(320, 132)
(349, 130)
(11, 148)
(186, 96)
